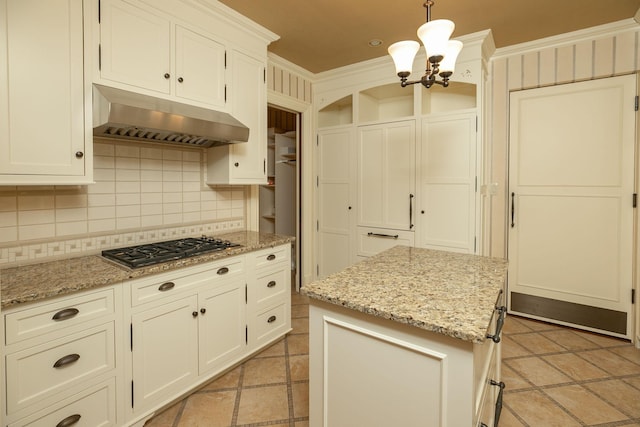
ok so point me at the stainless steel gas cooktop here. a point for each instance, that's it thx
(154, 253)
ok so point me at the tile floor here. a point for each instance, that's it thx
(555, 376)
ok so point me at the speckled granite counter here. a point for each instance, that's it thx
(35, 282)
(444, 292)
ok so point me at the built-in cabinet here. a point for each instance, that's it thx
(45, 130)
(115, 355)
(141, 47)
(416, 153)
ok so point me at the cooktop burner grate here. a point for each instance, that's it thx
(154, 253)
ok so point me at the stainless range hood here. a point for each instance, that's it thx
(126, 115)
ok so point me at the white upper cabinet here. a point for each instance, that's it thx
(140, 47)
(45, 135)
(244, 163)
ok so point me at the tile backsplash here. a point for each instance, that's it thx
(142, 193)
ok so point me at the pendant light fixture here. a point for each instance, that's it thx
(441, 52)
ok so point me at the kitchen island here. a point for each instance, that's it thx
(409, 337)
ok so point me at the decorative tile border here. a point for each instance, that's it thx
(47, 251)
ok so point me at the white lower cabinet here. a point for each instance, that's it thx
(62, 360)
(365, 370)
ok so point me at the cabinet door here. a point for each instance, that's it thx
(222, 325)
(335, 181)
(386, 175)
(249, 98)
(165, 351)
(42, 120)
(447, 207)
(135, 46)
(200, 65)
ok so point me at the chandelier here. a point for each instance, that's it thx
(441, 52)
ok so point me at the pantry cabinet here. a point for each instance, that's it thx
(141, 47)
(45, 131)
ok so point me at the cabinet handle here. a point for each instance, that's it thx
(66, 360)
(69, 421)
(498, 401)
(387, 236)
(166, 286)
(271, 284)
(203, 310)
(79, 154)
(65, 314)
(236, 164)
(410, 211)
(167, 75)
(180, 79)
(496, 337)
(271, 257)
(513, 209)
(194, 314)
(223, 270)
(271, 319)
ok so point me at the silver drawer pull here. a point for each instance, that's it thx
(271, 319)
(166, 286)
(271, 284)
(271, 257)
(65, 314)
(223, 270)
(499, 324)
(69, 421)
(386, 236)
(66, 360)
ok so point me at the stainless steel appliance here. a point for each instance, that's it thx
(154, 253)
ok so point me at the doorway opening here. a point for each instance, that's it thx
(279, 199)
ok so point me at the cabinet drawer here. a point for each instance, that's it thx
(268, 257)
(154, 288)
(271, 287)
(94, 407)
(372, 241)
(48, 318)
(487, 410)
(49, 369)
(272, 322)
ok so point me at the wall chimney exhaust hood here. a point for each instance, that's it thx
(126, 115)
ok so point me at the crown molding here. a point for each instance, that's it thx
(572, 37)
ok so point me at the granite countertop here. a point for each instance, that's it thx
(34, 282)
(444, 292)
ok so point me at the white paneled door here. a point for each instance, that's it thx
(571, 189)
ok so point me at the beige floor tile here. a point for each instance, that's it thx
(266, 370)
(537, 409)
(634, 381)
(512, 349)
(166, 417)
(300, 326)
(298, 311)
(538, 325)
(601, 340)
(229, 380)
(507, 419)
(628, 352)
(302, 423)
(537, 343)
(210, 409)
(263, 404)
(512, 379)
(300, 392)
(297, 298)
(569, 340)
(537, 371)
(276, 349)
(611, 362)
(575, 367)
(299, 367)
(513, 325)
(298, 344)
(620, 394)
(586, 406)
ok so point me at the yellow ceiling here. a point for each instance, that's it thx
(320, 35)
